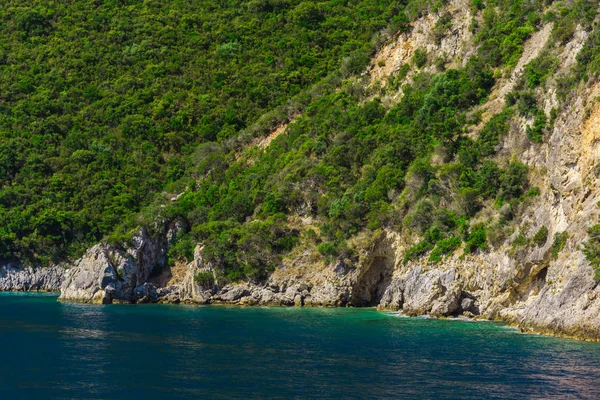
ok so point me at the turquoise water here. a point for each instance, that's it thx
(74, 351)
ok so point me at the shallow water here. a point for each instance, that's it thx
(67, 351)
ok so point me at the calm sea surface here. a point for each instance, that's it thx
(52, 350)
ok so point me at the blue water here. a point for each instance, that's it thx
(54, 350)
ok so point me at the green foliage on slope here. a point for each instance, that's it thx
(102, 101)
(591, 249)
(109, 109)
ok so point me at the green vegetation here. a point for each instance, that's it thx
(537, 71)
(418, 250)
(582, 12)
(559, 243)
(110, 110)
(567, 16)
(182, 249)
(520, 241)
(106, 105)
(444, 247)
(420, 58)
(591, 249)
(476, 240)
(443, 24)
(204, 278)
(541, 236)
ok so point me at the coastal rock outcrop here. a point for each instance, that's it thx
(14, 277)
(106, 274)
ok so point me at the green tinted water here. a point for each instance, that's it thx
(63, 351)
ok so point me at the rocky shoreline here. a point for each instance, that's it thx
(19, 278)
(106, 275)
(494, 287)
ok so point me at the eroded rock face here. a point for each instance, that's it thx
(106, 274)
(393, 298)
(15, 277)
(433, 292)
(93, 279)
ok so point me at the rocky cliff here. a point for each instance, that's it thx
(538, 285)
(15, 277)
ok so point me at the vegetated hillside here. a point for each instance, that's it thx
(447, 166)
(105, 105)
(156, 108)
(414, 153)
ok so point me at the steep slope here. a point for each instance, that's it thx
(106, 106)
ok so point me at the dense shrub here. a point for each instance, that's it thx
(591, 249)
(476, 240)
(418, 250)
(541, 236)
(420, 58)
(204, 278)
(559, 243)
(327, 249)
(443, 247)
(104, 104)
(536, 131)
(182, 249)
(537, 71)
(139, 114)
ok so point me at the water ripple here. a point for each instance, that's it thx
(65, 351)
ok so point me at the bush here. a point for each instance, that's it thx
(443, 24)
(422, 216)
(443, 247)
(541, 236)
(476, 5)
(520, 241)
(525, 101)
(477, 239)
(420, 58)
(204, 278)
(181, 250)
(513, 181)
(560, 241)
(591, 249)
(468, 199)
(536, 131)
(327, 249)
(537, 71)
(417, 251)
(492, 132)
(307, 15)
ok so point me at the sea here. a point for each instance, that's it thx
(54, 350)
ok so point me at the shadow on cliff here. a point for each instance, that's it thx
(372, 282)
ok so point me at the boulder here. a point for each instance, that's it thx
(434, 292)
(448, 303)
(234, 294)
(393, 297)
(466, 305)
(92, 274)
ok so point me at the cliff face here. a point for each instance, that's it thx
(533, 284)
(21, 278)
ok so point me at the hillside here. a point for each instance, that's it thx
(435, 157)
(108, 107)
